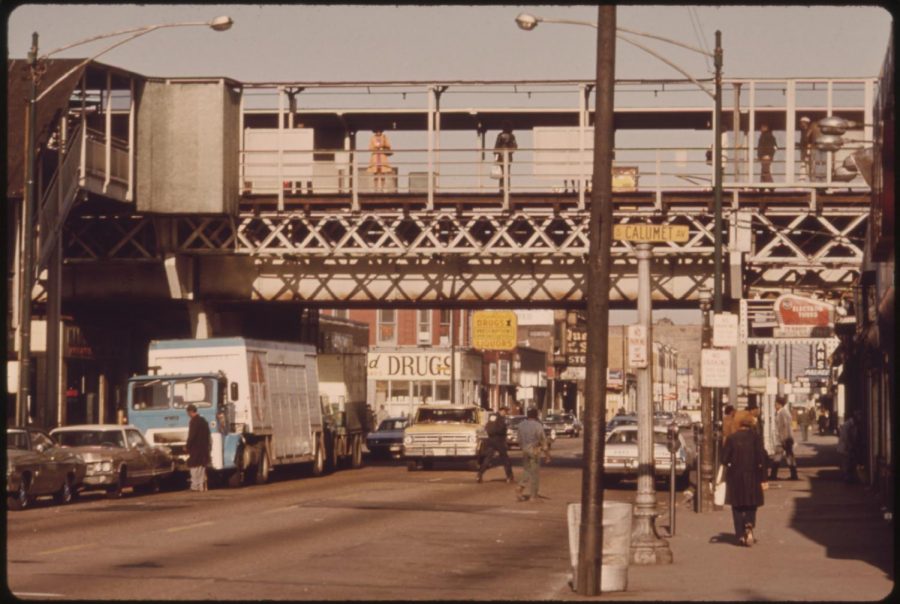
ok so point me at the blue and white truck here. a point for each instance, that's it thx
(267, 403)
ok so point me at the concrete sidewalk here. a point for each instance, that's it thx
(819, 539)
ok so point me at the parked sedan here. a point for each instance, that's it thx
(117, 457)
(626, 419)
(387, 440)
(564, 423)
(36, 465)
(621, 455)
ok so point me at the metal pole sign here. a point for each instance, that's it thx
(725, 330)
(637, 346)
(715, 368)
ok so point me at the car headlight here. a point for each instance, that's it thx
(106, 466)
(407, 440)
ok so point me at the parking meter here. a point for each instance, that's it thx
(674, 443)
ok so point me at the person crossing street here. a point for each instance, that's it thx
(496, 429)
(534, 445)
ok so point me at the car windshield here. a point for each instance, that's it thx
(555, 418)
(88, 438)
(16, 439)
(446, 416)
(391, 424)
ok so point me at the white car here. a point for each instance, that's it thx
(620, 459)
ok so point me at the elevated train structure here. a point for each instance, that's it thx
(175, 207)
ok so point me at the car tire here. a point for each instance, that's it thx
(22, 499)
(66, 493)
(115, 491)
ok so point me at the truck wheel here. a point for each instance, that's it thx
(412, 465)
(262, 468)
(357, 451)
(319, 460)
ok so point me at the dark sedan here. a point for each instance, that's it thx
(564, 423)
(512, 432)
(36, 465)
(387, 440)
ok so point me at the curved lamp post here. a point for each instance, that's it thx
(26, 270)
(647, 547)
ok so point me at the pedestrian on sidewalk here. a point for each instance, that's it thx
(729, 427)
(803, 422)
(784, 449)
(744, 458)
(535, 446)
(496, 429)
(823, 421)
(848, 447)
(198, 446)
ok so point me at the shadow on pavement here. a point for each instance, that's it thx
(724, 538)
(844, 518)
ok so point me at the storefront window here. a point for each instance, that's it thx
(399, 392)
(442, 392)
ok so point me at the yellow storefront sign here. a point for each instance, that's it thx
(645, 232)
(494, 329)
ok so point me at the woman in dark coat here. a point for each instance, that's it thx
(745, 461)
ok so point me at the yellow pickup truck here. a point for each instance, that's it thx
(444, 432)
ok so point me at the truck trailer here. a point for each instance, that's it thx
(267, 404)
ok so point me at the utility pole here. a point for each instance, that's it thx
(23, 394)
(590, 549)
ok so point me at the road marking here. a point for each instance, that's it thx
(434, 479)
(188, 527)
(289, 507)
(36, 594)
(522, 511)
(70, 548)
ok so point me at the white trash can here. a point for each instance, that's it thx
(617, 518)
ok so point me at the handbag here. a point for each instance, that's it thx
(496, 172)
(719, 490)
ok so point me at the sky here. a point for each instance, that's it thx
(417, 42)
(410, 42)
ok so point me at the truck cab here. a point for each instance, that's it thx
(157, 407)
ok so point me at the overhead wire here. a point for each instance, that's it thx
(699, 34)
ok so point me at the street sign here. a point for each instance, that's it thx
(816, 372)
(757, 380)
(725, 330)
(715, 368)
(637, 346)
(646, 232)
(494, 329)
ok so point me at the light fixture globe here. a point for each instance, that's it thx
(527, 22)
(221, 23)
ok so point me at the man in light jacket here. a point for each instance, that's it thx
(784, 450)
(534, 446)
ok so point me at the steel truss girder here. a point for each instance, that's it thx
(473, 281)
(789, 247)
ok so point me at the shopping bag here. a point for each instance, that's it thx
(496, 172)
(719, 490)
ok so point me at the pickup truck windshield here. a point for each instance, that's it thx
(172, 393)
(446, 416)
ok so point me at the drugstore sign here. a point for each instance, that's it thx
(408, 365)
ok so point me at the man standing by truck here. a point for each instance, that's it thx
(496, 429)
(198, 446)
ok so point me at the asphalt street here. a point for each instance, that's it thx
(380, 532)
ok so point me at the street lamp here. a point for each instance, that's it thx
(26, 270)
(649, 547)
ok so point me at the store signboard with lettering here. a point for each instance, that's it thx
(409, 365)
(494, 329)
(800, 317)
